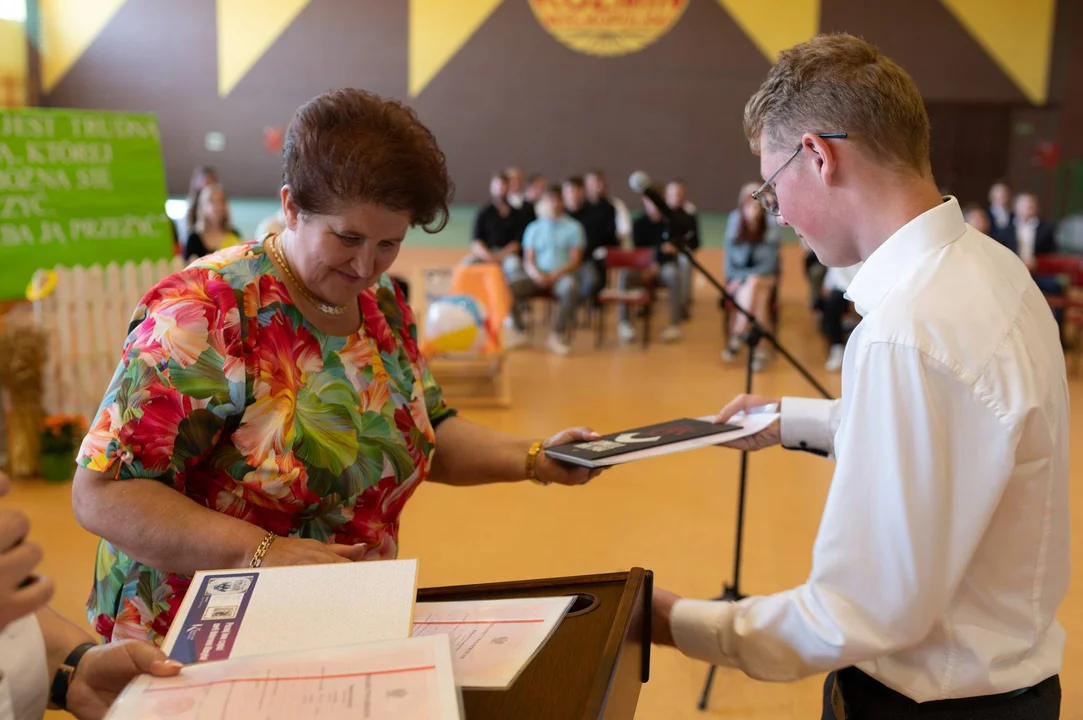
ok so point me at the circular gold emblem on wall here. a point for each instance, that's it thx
(608, 27)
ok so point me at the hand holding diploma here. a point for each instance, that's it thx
(747, 404)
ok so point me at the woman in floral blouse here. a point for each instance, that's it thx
(274, 391)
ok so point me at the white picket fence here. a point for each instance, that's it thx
(86, 319)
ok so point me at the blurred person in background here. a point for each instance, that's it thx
(202, 176)
(1030, 237)
(213, 229)
(47, 661)
(687, 217)
(597, 188)
(1000, 213)
(834, 307)
(977, 217)
(750, 270)
(600, 230)
(552, 253)
(649, 230)
(515, 187)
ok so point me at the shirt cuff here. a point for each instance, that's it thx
(697, 629)
(806, 424)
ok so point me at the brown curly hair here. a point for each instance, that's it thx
(348, 146)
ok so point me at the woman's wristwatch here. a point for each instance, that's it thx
(58, 693)
(532, 463)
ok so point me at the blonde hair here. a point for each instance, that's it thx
(840, 83)
(201, 219)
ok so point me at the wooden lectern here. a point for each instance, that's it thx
(594, 663)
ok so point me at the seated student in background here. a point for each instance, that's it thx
(649, 231)
(977, 217)
(213, 229)
(834, 306)
(497, 231)
(999, 214)
(35, 641)
(552, 251)
(751, 270)
(1030, 237)
(687, 216)
(600, 229)
(597, 189)
(514, 177)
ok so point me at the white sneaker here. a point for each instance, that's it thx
(834, 358)
(626, 332)
(671, 334)
(760, 359)
(729, 354)
(557, 346)
(514, 338)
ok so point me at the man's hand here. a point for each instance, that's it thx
(669, 248)
(770, 435)
(661, 611)
(105, 670)
(21, 591)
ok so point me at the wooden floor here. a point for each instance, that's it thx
(675, 516)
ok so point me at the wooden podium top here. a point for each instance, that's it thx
(594, 663)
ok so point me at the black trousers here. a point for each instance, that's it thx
(868, 699)
(834, 307)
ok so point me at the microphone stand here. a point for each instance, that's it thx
(756, 334)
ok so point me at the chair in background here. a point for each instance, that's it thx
(642, 298)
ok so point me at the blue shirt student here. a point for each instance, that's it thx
(553, 241)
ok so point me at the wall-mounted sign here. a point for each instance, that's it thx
(608, 27)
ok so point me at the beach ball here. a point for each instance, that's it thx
(456, 323)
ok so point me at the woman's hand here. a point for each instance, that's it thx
(549, 470)
(298, 551)
(770, 435)
(21, 592)
(105, 670)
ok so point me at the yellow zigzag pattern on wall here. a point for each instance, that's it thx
(776, 25)
(246, 29)
(1018, 36)
(68, 27)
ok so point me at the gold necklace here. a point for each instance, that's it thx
(324, 307)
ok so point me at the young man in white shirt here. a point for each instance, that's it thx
(943, 551)
(46, 660)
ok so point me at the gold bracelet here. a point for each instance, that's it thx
(261, 550)
(532, 463)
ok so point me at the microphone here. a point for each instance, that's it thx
(640, 183)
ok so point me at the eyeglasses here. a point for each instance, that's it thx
(766, 196)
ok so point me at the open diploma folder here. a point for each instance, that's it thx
(656, 440)
(239, 613)
(410, 678)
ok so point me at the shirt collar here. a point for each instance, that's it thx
(903, 251)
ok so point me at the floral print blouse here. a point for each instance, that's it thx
(227, 394)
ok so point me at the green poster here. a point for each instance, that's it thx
(78, 187)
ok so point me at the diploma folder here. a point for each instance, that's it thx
(644, 442)
(247, 612)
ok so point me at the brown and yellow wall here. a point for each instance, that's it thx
(556, 85)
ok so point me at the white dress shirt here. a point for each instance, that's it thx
(24, 673)
(943, 550)
(1025, 234)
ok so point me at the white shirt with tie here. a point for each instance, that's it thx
(943, 549)
(24, 674)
